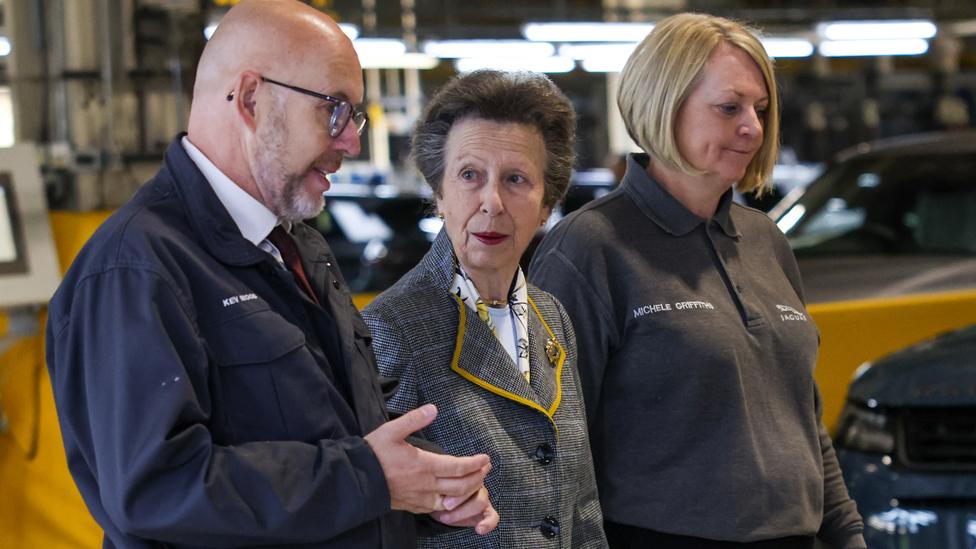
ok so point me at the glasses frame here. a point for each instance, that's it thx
(336, 126)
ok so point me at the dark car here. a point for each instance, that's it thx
(906, 442)
(889, 218)
(376, 236)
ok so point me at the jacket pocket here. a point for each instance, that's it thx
(255, 338)
(254, 356)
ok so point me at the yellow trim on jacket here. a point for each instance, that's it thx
(455, 365)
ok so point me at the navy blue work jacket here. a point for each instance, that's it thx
(194, 387)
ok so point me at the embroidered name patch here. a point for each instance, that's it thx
(677, 306)
(235, 299)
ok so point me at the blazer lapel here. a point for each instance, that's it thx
(481, 359)
(542, 370)
(478, 355)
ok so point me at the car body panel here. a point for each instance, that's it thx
(895, 217)
(905, 510)
(827, 279)
(922, 493)
(938, 372)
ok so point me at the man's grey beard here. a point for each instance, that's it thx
(288, 200)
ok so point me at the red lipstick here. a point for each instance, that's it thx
(490, 238)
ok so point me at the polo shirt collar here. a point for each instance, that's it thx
(665, 210)
(253, 219)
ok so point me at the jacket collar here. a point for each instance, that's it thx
(481, 359)
(439, 262)
(665, 210)
(214, 226)
(252, 218)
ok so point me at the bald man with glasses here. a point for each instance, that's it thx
(215, 385)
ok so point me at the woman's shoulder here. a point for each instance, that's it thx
(597, 214)
(542, 299)
(590, 228)
(752, 219)
(754, 224)
(549, 307)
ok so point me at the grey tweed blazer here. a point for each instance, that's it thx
(542, 480)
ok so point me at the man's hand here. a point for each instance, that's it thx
(419, 481)
(476, 512)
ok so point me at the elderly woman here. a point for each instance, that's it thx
(696, 353)
(464, 331)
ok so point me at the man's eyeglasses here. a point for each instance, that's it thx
(342, 110)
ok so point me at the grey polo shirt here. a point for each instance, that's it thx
(696, 356)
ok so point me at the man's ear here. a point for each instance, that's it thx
(245, 100)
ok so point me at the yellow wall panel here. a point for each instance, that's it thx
(40, 505)
(71, 231)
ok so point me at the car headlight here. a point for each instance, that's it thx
(865, 430)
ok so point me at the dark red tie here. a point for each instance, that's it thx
(289, 253)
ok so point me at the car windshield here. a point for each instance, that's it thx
(888, 203)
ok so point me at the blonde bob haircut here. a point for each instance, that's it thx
(663, 71)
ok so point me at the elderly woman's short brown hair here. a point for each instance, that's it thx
(519, 97)
(662, 72)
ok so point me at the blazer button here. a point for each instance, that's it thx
(544, 454)
(549, 527)
(335, 283)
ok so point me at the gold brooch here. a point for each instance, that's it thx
(552, 351)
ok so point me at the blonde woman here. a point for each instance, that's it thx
(696, 352)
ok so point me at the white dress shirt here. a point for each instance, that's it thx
(253, 219)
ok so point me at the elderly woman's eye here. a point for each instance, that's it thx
(515, 178)
(468, 175)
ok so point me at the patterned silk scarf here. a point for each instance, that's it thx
(518, 302)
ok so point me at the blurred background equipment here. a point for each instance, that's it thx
(29, 271)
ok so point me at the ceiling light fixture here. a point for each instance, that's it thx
(553, 64)
(408, 60)
(577, 31)
(619, 51)
(350, 30)
(599, 57)
(787, 47)
(456, 49)
(603, 64)
(873, 48)
(876, 30)
(378, 47)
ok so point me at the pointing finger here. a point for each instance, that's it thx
(409, 423)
